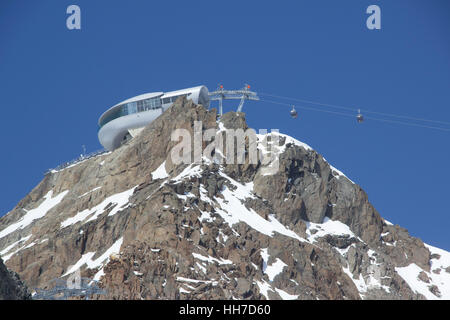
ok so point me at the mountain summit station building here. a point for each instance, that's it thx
(127, 118)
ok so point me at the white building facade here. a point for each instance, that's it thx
(124, 120)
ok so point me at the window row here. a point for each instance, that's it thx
(172, 99)
(138, 106)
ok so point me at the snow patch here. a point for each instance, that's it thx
(98, 275)
(242, 191)
(184, 291)
(210, 259)
(118, 199)
(372, 280)
(411, 272)
(264, 288)
(286, 296)
(6, 253)
(339, 173)
(186, 195)
(233, 211)
(328, 227)
(183, 279)
(204, 195)
(275, 268)
(293, 141)
(202, 267)
(86, 259)
(35, 214)
(85, 194)
(160, 172)
(192, 170)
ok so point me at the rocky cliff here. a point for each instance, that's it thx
(11, 287)
(147, 228)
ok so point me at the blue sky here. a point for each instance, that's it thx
(55, 83)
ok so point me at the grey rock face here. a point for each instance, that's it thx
(11, 287)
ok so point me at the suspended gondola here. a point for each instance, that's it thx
(294, 113)
(359, 117)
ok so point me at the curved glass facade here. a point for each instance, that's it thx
(130, 108)
(137, 106)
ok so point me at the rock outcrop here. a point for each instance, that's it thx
(149, 228)
(11, 287)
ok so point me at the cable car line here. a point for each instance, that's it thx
(409, 124)
(308, 101)
(354, 109)
(359, 119)
(308, 108)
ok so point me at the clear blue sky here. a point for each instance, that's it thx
(54, 84)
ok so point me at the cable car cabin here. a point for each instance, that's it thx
(359, 117)
(294, 113)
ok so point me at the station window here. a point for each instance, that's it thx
(140, 106)
(136, 106)
(132, 107)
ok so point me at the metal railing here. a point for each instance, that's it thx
(81, 158)
(61, 291)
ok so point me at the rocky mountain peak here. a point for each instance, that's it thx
(147, 227)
